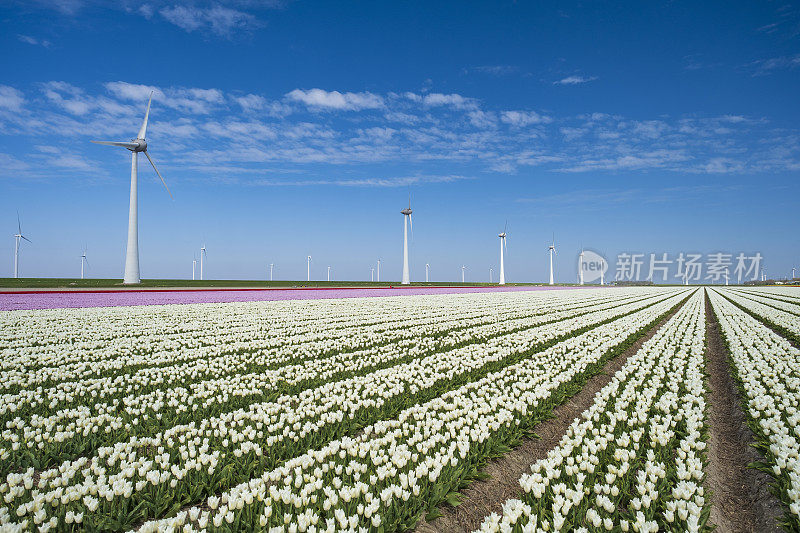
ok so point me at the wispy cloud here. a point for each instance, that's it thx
(310, 131)
(523, 118)
(33, 40)
(763, 67)
(219, 20)
(575, 80)
(321, 99)
(496, 70)
(11, 98)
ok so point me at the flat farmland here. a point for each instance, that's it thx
(625, 409)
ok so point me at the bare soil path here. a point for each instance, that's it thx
(741, 500)
(484, 497)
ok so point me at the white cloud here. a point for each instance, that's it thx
(763, 67)
(68, 97)
(320, 98)
(523, 118)
(33, 40)
(454, 100)
(219, 20)
(11, 98)
(574, 80)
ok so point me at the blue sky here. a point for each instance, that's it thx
(292, 128)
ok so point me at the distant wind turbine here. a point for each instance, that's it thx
(271, 266)
(194, 267)
(406, 223)
(793, 272)
(17, 237)
(308, 265)
(726, 276)
(580, 266)
(84, 261)
(502, 258)
(427, 267)
(329, 273)
(491, 270)
(135, 145)
(552, 251)
(379, 271)
(463, 268)
(202, 260)
(372, 274)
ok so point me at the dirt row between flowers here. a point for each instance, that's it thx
(741, 499)
(483, 497)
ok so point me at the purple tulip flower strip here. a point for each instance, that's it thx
(11, 301)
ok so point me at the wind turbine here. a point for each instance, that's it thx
(202, 260)
(406, 222)
(491, 270)
(502, 258)
(271, 266)
(194, 267)
(372, 274)
(463, 268)
(84, 261)
(552, 251)
(308, 265)
(379, 271)
(427, 267)
(329, 273)
(726, 277)
(136, 145)
(580, 266)
(17, 237)
(793, 269)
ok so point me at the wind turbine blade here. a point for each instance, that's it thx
(159, 173)
(27, 239)
(143, 129)
(116, 143)
(19, 224)
(411, 224)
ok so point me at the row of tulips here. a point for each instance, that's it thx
(396, 469)
(241, 329)
(785, 303)
(785, 321)
(40, 441)
(634, 460)
(152, 476)
(767, 368)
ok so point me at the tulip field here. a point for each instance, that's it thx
(378, 414)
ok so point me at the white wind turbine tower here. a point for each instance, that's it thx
(491, 270)
(372, 274)
(552, 251)
(726, 277)
(84, 261)
(580, 266)
(17, 237)
(308, 265)
(379, 271)
(502, 258)
(793, 269)
(194, 267)
(406, 222)
(463, 268)
(135, 145)
(202, 260)
(329, 273)
(271, 266)
(427, 267)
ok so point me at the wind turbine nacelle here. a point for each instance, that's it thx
(141, 145)
(406, 211)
